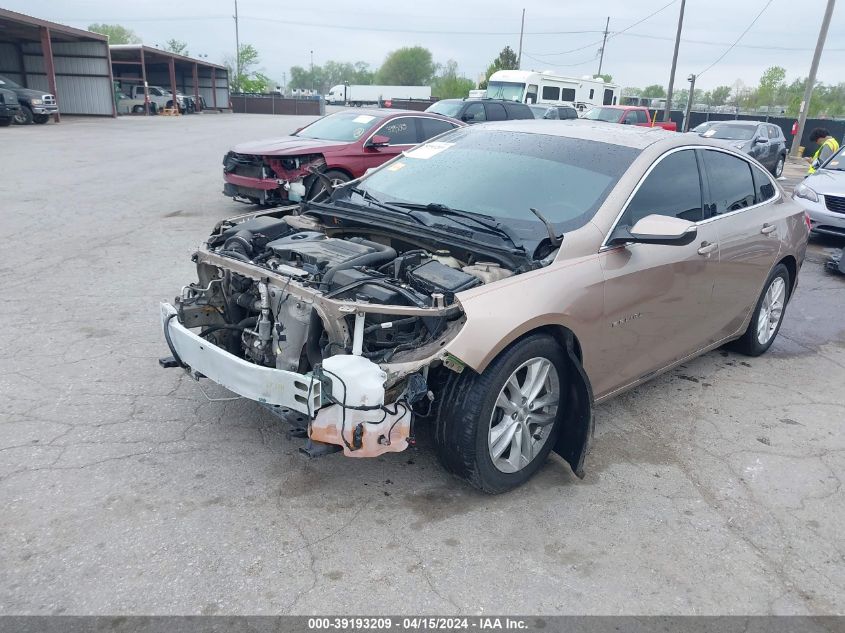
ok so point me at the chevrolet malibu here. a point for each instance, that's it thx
(822, 195)
(496, 283)
(342, 146)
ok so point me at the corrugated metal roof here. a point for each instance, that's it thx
(157, 51)
(30, 21)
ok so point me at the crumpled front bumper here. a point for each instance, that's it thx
(267, 385)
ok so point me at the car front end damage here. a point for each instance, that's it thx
(341, 332)
(269, 180)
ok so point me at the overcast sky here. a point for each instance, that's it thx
(472, 32)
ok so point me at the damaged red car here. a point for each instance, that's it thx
(341, 146)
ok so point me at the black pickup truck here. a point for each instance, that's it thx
(9, 107)
(35, 105)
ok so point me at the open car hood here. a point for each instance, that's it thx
(287, 145)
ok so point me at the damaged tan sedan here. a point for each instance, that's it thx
(496, 282)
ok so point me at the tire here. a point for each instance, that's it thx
(777, 172)
(318, 189)
(475, 405)
(6, 121)
(137, 109)
(759, 338)
(24, 116)
(41, 119)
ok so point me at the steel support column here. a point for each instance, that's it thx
(49, 68)
(172, 66)
(214, 87)
(144, 80)
(196, 88)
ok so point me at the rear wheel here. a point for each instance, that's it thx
(495, 429)
(24, 116)
(767, 316)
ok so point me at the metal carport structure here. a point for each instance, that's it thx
(72, 64)
(137, 63)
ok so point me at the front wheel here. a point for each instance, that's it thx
(495, 429)
(778, 170)
(41, 119)
(767, 316)
(24, 116)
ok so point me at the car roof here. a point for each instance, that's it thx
(741, 122)
(611, 133)
(393, 112)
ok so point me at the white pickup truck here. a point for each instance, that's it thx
(158, 95)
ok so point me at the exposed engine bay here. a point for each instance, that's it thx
(352, 317)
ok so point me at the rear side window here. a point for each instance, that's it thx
(672, 188)
(519, 111)
(763, 187)
(642, 117)
(731, 184)
(774, 132)
(630, 118)
(496, 112)
(551, 93)
(433, 127)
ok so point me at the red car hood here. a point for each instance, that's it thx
(288, 145)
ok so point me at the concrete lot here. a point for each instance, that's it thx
(714, 489)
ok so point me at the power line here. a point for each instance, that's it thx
(581, 63)
(741, 35)
(706, 43)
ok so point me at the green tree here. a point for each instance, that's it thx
(719, 95)
(248, 77)
(117, 34)
(770, 84)
(408, 66)
(177, 46)
(654, 91)
(506, 60)
(448, 84)
(632, 92)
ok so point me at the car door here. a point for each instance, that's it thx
(403, 134)
(657, 298)
(495, 112)
(760, 146)
(739, 198)
(777, 143)
(474, 113)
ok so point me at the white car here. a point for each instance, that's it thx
(822, 195)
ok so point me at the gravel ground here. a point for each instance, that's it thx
(715, 489)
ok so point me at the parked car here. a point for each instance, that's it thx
(35, 105)
(763, 141)
(628, 115)
(822, 194)
(479, 110)
(128, 105)
(342, 146)
(9, 107)
(158, 95)
(436, 289)
(554, 112)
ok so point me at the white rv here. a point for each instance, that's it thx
(545, 87)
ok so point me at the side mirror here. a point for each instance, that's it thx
(761, 139)
(378, 141)
(655, 229)
(464, 118)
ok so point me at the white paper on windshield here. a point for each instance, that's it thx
(709, 133)
(427, 151)
(363, 118)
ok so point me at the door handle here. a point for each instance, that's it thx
(707, 248)
(768, 228)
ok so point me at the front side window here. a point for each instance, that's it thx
(551, 93)
(474, 113)
(642, 117)
(672, 188)
(401, 131)
(630, 118)
(731, 185)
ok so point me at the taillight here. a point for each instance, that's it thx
(807, 221)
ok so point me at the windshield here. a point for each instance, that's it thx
(343, 126)
(703, 127)
(8, 82)
(504, 174)
(602, 114)
(509, 90)
(837, 161)
(732, 132)
(446, 108)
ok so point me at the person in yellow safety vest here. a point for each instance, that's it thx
(827, 148)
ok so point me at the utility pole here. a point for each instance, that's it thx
(603, 42)
(674, 62)
(811, 79)
(519, 55)
(312, 70)
(237, 81)
(685, 125)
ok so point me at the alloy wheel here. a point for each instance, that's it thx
(779, 168)
(524, 415)
(771, 310)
